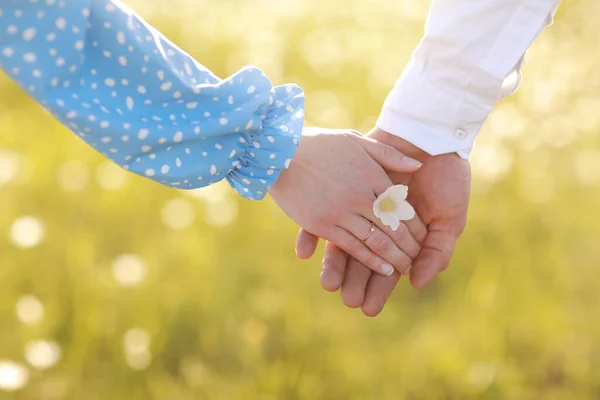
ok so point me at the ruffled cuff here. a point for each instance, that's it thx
(270, 150)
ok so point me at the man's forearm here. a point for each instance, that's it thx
(470, 56)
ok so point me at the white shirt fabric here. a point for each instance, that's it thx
(470, 56)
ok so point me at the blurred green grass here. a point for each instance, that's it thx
(212, 304)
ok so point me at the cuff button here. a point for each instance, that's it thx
(460, 134)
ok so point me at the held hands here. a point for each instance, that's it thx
(439, 192)
(329, 190)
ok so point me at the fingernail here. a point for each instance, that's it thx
(412, 162)
(387, 269)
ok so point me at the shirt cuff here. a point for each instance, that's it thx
(430, 118)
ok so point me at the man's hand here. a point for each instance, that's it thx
(439, 192)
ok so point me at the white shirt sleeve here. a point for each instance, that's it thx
(470, 56)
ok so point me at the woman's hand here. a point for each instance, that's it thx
(329, 190)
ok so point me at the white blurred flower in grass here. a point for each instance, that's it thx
(136, 343)
(13, 376)
(129, 270)
(482, 374)
(30, 310)
(178, 214)
(111, 177)
(73, 176)
(10, 164)
(221, 207)
(222, 213)
(27, 232)
(42, 354)
(391, 206)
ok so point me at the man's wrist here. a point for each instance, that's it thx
(404, 146)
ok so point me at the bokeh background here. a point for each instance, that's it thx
(113, 287)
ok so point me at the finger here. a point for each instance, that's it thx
(355, 283)
(333, 267)
(387, 156)
(382, 244)
(357, 249)
(378, 291)
(401, 237)
(306, 244)
(433, 258)
(417, 229)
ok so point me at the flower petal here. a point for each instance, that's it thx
(398, 192)
(377, 207)
(391, 220)
(404, 211)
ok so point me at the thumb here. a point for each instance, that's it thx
(433, 258)
(306, 244)
(387, 156)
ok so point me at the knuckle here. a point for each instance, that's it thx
(365, 205)
(356, 199)
(371, 175)
(443, 244)
(353, 246)
(319, 223)
(417, 228)
(401, 233)
(328, 261)
(384, 150)
(421, 235)
(380, 243)
(404, 262)
(412, 253)
(339, 213)
(412, 250)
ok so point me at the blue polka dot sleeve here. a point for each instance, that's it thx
(141, 101)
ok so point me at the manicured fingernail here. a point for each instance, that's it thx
(412, 162)
(387, 269)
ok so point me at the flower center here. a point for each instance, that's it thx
(388, 205)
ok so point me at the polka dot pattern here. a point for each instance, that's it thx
(144, 103)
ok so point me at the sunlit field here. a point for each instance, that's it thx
(114, 287)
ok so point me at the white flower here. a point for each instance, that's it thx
(391, 206)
